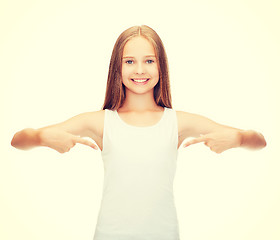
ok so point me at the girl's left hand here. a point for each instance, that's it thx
(219, 141)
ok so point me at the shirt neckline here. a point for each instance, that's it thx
(139, 127)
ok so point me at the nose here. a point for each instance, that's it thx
(140, 68)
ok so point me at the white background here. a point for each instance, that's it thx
(224, 59)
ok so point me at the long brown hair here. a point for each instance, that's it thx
(115, 90)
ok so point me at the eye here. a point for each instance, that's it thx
(150, 61)
(129, 61)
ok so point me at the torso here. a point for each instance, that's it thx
(134, 119)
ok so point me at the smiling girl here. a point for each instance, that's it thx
(139, 134)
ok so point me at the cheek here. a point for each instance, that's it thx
(124, 72)
(154, 71)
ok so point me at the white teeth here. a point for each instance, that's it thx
(142, 80)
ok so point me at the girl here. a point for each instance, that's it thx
(138, 133)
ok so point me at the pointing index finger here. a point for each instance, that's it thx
(195, 140)
(86, 142)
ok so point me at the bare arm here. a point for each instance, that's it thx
(61, 137)
(216, 136)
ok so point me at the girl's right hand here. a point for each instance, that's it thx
(60, 140)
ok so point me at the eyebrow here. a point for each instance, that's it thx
(145, 56)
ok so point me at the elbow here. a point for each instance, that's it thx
(15, 141)
(19, 139)
(261, 143)
(25, 139)
(252, 139)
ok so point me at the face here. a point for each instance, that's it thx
(139, 66)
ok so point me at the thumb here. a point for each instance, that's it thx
(85, 142)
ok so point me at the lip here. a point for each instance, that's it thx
(140, 83)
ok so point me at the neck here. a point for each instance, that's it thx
(139, 102)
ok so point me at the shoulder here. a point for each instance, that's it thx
(94, 115)
(182, 121)
(188, 122)
(94, 121)
(186, 116)
(181, 115)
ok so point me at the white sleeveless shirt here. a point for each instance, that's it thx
(139, 169)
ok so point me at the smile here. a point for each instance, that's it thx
(140, 81)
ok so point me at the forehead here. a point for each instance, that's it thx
(138, 46)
